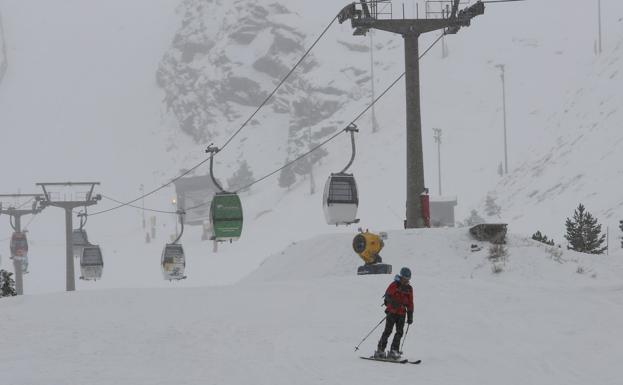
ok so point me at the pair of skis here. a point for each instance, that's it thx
(399, 361)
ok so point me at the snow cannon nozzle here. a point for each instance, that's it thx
(368, 246)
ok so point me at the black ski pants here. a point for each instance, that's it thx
(390, 321)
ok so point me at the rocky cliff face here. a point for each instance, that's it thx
(225, 59)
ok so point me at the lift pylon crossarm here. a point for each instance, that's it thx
(90, 198)
(453, 24)
(13, 211)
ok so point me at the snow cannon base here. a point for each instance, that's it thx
(376, 268)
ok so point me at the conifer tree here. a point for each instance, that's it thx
(491, 207)
(473, 219)
(287, 177)
(584, 233)
(241, 178)
(542, 238)
(7, 284)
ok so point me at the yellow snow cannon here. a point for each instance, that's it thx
(368, 246)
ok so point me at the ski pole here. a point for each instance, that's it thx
(371, 331)
(405, 337)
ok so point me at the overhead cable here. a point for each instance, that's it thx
(123, 204)
(279, 84)
(341, 131)
(152, 191)
(268, 175)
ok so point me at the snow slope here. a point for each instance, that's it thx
(581, 165)
(298, 317)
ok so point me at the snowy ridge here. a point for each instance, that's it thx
(582, 164)
(288, 324)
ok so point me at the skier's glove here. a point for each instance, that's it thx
(410, 318)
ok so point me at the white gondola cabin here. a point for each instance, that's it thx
(340, 199)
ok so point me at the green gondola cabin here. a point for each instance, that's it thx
(226, 217)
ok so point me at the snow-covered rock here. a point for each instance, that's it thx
(226, 58)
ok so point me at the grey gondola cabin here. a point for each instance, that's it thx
(91, 263)
(173, 262)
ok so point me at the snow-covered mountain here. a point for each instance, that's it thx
(217, 43)
(546, 319)
(226, 57)
(584, 162)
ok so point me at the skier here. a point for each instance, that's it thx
(398, 303)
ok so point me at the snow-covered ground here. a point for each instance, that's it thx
(298, 317)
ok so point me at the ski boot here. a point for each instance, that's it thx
(394, 355)
(380, 354)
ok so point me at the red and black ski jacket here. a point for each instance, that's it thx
(399, 299)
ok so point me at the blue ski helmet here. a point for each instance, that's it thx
(405, 272)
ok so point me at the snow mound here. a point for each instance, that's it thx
(433, 253)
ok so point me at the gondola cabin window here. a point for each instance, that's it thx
(91, 256)
(342, 190)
